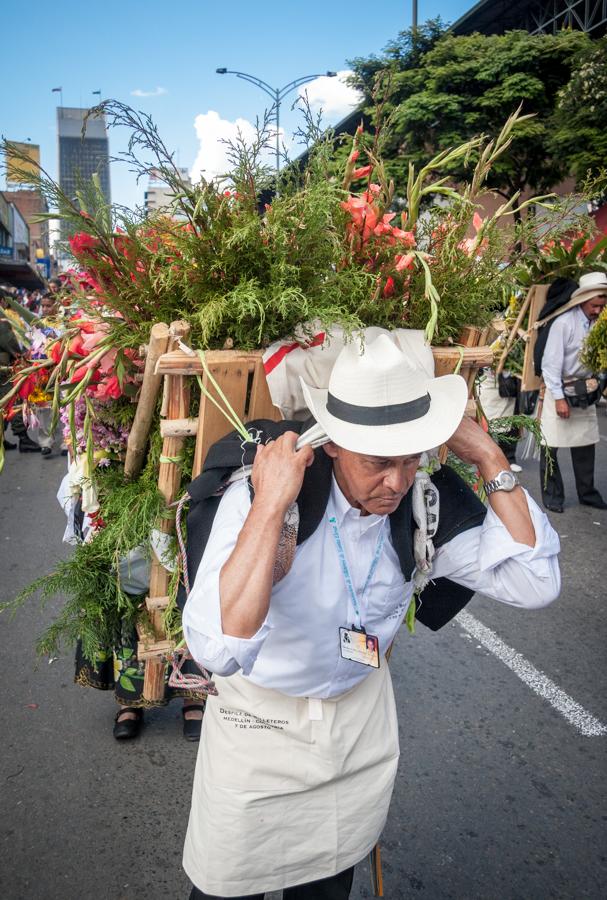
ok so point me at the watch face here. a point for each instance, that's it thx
(507, 481)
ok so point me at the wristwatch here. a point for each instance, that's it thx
(503, 481)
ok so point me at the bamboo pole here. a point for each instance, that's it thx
(169, 483)
(514, 332)
(138, 437)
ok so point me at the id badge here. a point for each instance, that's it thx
(359, 646)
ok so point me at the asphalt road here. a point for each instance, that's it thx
(498, 797)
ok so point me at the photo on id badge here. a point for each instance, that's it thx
(359, 647)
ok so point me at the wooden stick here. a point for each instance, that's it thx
(179, 428)
(169, 483)
(138, 438)
(513, 332)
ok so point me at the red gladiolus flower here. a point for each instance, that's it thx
(362, 172)
(404, 262)
(83, 244)
(388, 287)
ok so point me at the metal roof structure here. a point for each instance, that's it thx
(534, 16)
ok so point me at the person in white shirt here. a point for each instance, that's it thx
(564, 425)
(299, 749)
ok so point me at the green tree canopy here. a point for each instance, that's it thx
(446, 89)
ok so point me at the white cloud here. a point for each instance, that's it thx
(157, 92)
(333, 95)
(212, 158)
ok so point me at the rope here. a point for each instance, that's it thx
(181, 543)
(177, 679)
(171, 459)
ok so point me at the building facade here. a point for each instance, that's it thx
(158, 196)
(80, 156)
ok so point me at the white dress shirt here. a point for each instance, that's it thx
(296, 650)
(561, 357)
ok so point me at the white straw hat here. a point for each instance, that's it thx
(379, 404)
(591, 285)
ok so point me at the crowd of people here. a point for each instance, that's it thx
(27, 319)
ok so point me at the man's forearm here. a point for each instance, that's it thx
(245, 581)
(510, 506)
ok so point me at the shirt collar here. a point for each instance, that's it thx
(343, 509)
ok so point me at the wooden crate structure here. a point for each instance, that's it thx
(241, 376)
(536, 300)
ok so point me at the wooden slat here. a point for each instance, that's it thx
(177, 362)
(156, 604)
(446, 359)
(232, 374)
(178, 427)
(155, 653)
(260, 405)
(530, 381)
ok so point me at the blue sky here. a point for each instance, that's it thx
(171, 50)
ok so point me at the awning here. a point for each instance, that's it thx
(20, 274)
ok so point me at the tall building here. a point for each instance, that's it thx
(80, 157)
(158, 194)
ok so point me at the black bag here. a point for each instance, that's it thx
(559, 293)
(581, 393)
(508, 385)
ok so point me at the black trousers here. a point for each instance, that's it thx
(337, 887)
(553, 491)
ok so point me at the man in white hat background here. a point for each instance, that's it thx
(299, 749)
(569, 417)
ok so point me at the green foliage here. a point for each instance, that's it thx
(445, 89)
(581, 113)
(594, 352)
(96, 608)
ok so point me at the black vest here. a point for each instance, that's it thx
(460, 510)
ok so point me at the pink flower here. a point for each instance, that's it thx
(362, 172)
(404, 262)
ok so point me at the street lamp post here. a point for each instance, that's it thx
(277, 95)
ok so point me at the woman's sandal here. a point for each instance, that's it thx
(125, 729)
(192, 727)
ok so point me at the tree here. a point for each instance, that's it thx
(445, 89)
(581, 114)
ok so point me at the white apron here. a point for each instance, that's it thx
(281, 798)
(494, 406)
(579, 430)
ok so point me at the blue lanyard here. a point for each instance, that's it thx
(346, 571)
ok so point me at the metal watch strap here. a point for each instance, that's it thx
(496, 484)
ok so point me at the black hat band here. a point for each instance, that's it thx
(393, 414)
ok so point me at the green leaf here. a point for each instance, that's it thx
(127, 684)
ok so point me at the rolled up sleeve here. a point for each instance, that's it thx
(487, 559)
(222, 654)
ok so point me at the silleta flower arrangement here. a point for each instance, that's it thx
(244, 262)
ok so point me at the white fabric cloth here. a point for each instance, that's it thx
(579, 430)
(494, 406)
(288, 791)
(296, 650)
(561, 359)
(313, 359)
(560, 362)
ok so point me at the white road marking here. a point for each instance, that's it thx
(575, 714)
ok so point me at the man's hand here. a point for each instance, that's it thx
(474, 446)
(245, 581)
(562, 409)
(278, 472)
